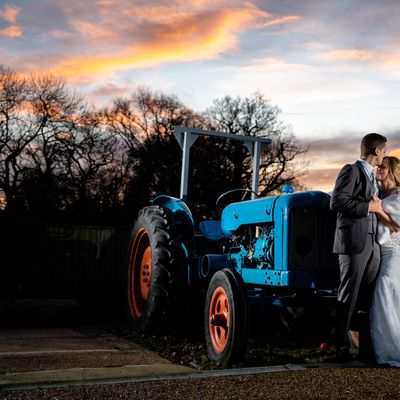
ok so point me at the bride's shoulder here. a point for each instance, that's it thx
(393, 199)
(395, 193)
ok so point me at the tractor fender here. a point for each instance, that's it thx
(181, 214)
(177, 206)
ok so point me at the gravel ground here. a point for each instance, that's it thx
(285, 338)
(262, 350)
(341, 383)
(281, 339)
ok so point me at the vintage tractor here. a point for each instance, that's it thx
(275, 248)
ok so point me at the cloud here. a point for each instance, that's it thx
(290, 83)
(12, 31)
(204, 35)
(102, 93)
(333, 152)
(337, 150)
(81, 40)
(393, 137)
(390, 60)
(350, 54)
(9, 13)
(383, 58)
(320, 179)
(288, 19)
(327, 156)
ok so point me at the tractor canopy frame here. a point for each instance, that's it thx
(187, 136)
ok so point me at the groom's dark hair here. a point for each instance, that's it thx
(370, 142)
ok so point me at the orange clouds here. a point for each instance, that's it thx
(11, 31)
(395, 153)
(350, 54)
(283, 20)
(384, 58)
(390, 59)
(100, 37)
(320, 179)
(9, 14)
(204, 35)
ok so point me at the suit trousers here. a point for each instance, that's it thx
(358, 273)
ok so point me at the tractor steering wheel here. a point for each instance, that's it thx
(219, 202)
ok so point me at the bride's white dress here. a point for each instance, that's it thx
(385, 310)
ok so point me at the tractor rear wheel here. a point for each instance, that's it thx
(156, 259)
(225, 318)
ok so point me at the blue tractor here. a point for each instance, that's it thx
(276, 248)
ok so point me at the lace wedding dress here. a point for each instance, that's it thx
(385, 311)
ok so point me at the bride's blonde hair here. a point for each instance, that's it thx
(394, 169)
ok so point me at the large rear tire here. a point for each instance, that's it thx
(155, 267)
(225, 318)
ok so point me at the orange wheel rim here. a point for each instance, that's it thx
(219, 320)
(139, 273)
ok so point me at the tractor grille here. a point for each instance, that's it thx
(303, 238)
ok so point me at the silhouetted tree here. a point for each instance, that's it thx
(255, 116)
(15, 132)
(53, 148)
(145, 122)
(88, 153)
(56, 112)
(57, 155)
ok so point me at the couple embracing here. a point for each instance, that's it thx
(366, 198)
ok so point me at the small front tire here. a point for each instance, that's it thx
(225, 318)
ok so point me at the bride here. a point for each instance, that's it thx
(385, 309)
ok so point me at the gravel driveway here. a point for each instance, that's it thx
(340, 383)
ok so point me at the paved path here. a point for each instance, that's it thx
(85, 355)
(56, 356)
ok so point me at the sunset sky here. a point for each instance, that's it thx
(333, 67)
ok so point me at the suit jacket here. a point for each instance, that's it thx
(350, 197)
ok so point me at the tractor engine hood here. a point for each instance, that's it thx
(261, 211)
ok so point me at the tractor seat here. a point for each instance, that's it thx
(211, 229)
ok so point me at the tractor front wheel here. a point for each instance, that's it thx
(225, 318)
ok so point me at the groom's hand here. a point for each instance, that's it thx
(375, 205)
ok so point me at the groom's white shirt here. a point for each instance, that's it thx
(368, 168)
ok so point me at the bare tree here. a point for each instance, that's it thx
(56, 153)
(255, 116)
(17, 131)
(88, 153)
(56, 111)
(145, 122)
(53, 148)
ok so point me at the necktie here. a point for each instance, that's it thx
(375, 184)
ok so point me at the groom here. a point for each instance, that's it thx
(355, 199)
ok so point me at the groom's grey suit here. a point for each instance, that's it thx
(359, 254)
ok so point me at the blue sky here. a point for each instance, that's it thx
(333, 67)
